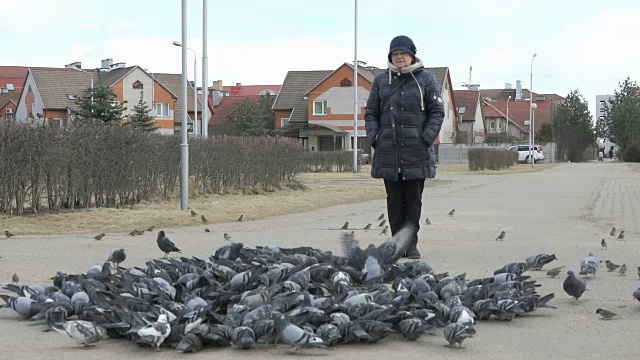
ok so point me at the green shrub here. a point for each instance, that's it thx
(491, 159)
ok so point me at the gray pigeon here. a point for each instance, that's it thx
(166, 245)
(589, 265)
(295, 336)
(117, 257)
(329, 333)
(243, 337)
(574, 286)
(84, 332)
(516, 268)
(536, 262)
(413, 328)
(636, 294)
(189, 343)
(456, 333)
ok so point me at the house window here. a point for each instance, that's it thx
(138, 85)
(462, 110)
(284, 122)
(492, 124)
(162, 110)
(10, 87)
(602, 102)
(72, 97)
(319, 108)
(345, 82)
(56, 123)
(9, 110)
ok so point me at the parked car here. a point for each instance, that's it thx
(523, 152)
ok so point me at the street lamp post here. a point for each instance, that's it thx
(205, 74)
(195, 90)
(531, 111)
(509, 99)
(355, 90)
(533, 108)
(184, 146)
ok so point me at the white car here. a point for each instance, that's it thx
(523, 152)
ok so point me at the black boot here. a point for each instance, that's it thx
(412, 251)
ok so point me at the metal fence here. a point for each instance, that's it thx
(459, 153)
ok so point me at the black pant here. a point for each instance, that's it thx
(404, 204)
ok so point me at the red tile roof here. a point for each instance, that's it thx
(467, 99)
(492, 111)
(246, 90)
(519, 109)
(15, 75)
(227, 106)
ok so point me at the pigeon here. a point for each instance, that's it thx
(84, 332)
(165, 244)
(589, 265)
(427, 221)
(189, 343)
(555, 271)
(413, 328)
(227, 237)
(501, 236)
(369, 226)
(574, 286)
(207, 230)
(241, 218)
(154, 334)
(295, 336)
(385, 231)
(623, 269)
(117, 257)
(381, 217)
(603, 244)
(621, 235)
(382, 223)
(243, 337)
(636, 294)
(204, 219)
(611, 266)
(15, 279)
(99, 236)
(345, 226)
(329, 333)
(453, 211)
(613, 232)
(8, 234)
(456, 333)
(606, 314)
(536, 262)
(516, 268)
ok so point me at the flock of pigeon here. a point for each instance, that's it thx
(302, 297)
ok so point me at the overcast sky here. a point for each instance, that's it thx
(585, 44)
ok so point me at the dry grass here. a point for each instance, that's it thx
(322, 190)
(463, 169)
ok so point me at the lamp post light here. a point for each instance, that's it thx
(531, 111)
(195, 90)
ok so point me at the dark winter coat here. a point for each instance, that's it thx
(403, 117)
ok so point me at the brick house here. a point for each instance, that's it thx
(11, 82)
(517, 100)
(50, 94)
(317, 107)
(471, 125)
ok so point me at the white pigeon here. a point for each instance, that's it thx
(84, 332)
(155, 334)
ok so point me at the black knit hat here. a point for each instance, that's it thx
(402, 42)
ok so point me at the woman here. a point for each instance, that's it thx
(403, 117)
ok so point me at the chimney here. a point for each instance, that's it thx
(508, 86)
(238, 84)
(518, 90)
(117, 65)
(217, 85)
(106, 64)
(76, 64)
(474, 87)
